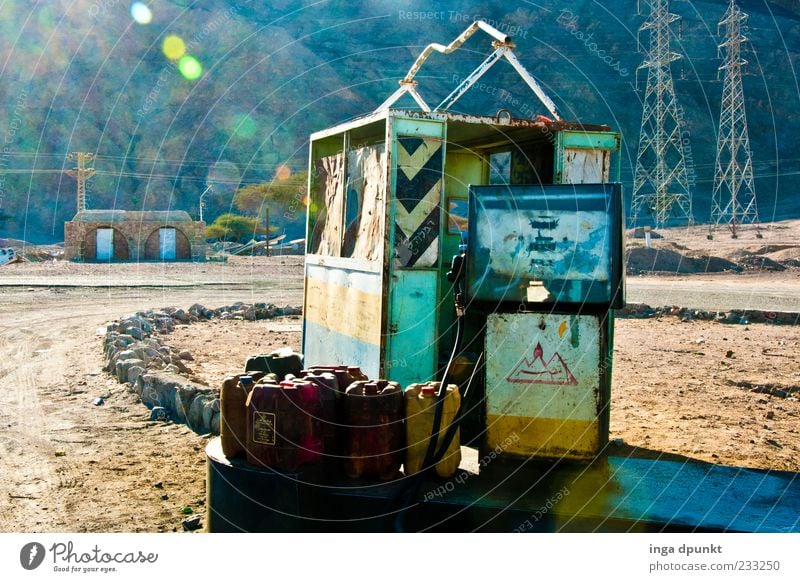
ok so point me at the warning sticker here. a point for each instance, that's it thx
(537, 370)
(264, 428)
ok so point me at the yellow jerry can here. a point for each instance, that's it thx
(420, 401)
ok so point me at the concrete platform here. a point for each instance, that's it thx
(612, 494)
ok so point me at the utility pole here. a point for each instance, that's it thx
(660, 183)
(81, 174)
(202, 203)
(733, 201)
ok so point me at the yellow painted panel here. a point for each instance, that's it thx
(543, 437)
(345, 310)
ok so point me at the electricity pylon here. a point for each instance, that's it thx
(660, 183)
(81, 174)
(733, 201)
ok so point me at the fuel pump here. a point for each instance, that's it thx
(544, 269)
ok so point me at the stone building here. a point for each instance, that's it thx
(123, 235)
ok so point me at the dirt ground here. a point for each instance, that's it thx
(66, 465)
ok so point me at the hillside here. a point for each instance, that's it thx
(83, 75)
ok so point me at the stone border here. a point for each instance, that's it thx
(153, 369)
(733, 316)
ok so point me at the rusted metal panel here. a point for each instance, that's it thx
(327, 204)
(545, 384)
(584, 166)
(584, 157)
(366, 189)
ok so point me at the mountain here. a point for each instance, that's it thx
(83, 75)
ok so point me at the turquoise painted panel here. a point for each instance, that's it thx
(324, 347)
(417, 128)
(592, 140)
(411, 343)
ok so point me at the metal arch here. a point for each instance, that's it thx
(503, 48)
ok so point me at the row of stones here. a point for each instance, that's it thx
(136, 354)
(735, 316)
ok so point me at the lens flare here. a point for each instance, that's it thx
(244, 126)
(283, 172)
(190, 68)
(141, 13)
(174, 47)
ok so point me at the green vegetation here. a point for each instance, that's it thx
(235, 228)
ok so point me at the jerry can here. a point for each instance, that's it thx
(345, 375)
(279, 362)
(373, 417)
(420, 402)
(233, 414)
(331, 412)
(283, 425)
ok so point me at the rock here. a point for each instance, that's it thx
(729, 354)
(165, 324)
(134, 372)
(123, 367)
(249, 314)
(700, 340)
(135, 332)
(173, 369)
(770, 415)
(215, 423)
(184, 355)
(149, 353)
(98, 401)
(192, 523)
(158, 485)
(181, 316)
(158, 413)
(194, 417)
(208, 413)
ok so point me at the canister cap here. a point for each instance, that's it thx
(246, 380)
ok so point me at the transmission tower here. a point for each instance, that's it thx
(81, 174)
(660, 183)
(733, 201)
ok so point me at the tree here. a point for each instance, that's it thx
(234, 227)
(277, 194)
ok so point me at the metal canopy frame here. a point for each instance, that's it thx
(503, 47)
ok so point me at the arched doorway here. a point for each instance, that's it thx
(167, 244)
(105, 243)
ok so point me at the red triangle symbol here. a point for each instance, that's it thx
(539, 371)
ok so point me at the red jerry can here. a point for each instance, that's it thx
(373, 415)
(283, 425)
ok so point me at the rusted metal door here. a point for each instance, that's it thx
(411, 346)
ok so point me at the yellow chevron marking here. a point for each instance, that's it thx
(412, 164)
(409, 222)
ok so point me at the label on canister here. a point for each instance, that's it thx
(264, 428)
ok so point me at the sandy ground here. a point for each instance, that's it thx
(66, 465)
